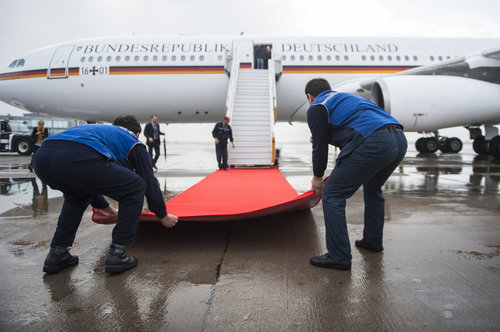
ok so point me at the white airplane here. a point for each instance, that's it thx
(427, 84)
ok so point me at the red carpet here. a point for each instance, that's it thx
(231, 195)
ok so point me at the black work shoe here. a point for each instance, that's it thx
(328, 262)
(57, 259)
(365, 245)
(118, 260)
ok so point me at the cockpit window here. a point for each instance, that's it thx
(17, 63)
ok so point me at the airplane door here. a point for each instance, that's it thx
(243, 52)
(59, 64)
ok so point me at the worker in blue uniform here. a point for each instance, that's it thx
(372, 145)
(221, 133)
(86, 162)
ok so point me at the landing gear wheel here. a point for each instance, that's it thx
(494, 147)
(480, 145)
(442, 144)
(430, 144)
(453, 145)
(419, 144)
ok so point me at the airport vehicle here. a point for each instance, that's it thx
(427, 84)
(16, 131)
(15, 137)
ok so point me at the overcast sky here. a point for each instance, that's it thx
(29, 24)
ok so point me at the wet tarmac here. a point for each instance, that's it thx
(440, 269)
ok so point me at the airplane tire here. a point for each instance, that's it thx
(442, 144)
(494, 147)
(419, 145)
(431, 145)
(480, 145)
(453, 145)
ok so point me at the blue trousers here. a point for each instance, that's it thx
(369, 165)
(260, 63)
(83, 175)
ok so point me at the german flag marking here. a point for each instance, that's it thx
(39, 73)
(166, 70)
(23, 74)
(344, 69)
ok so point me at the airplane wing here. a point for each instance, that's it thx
(471, 66)
(463, 91)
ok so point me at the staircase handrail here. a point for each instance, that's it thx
(231, 89)
(273, 103)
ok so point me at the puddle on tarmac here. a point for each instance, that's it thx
(420, 175)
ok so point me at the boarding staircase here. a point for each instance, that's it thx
(251, 105)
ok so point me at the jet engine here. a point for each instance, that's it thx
(428, 103)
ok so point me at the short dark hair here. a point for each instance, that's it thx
(129, 122)
(317, 85)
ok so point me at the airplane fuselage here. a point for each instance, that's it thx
(185, 78)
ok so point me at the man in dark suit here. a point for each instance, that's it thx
(221, 133)
(152, 133)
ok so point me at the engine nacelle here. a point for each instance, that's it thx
(428, 103)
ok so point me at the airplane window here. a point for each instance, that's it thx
(389, 58)
(415, 58)
(219, 58)
(363, 57)
(174, 58)
(301, 58)
(183, 58)
(407, 58)
(329, 58)
(164, 58)
(117, 58)
(146, 58)
(192, 58)
(311, 58)
(99, 58)
(398, 58)
(320, 57)
(20, 63)
(202, 58)
(108, 58)
(13, 64)
(432, 57)
(440, 58)
(91, 58)
(381, 57)
(448, 57)
(283, 57)
(372, 57)
(136, 58)
(337, 57)
(346, 57)
(127, 58)
(155, 58)
(82, 59)
(292, 57)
